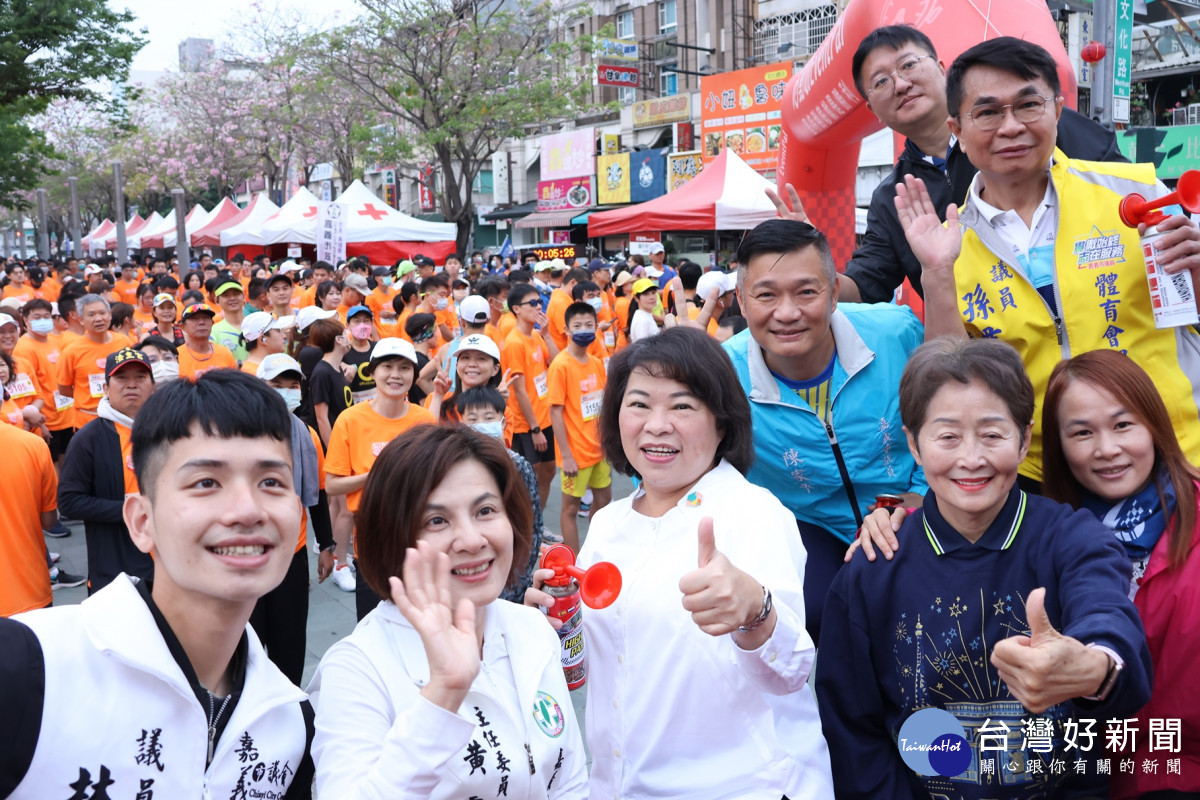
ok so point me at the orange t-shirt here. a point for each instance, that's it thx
(126, 291)
(527, 355)
(556, 312)
(493, 333)
(620, 317)
(10, 413)
(44, 358)
(192, 367)
(23, 386)
(449, 318)
(578, 388)
(81, 366)
(303, 540)
(359, 436)
(24, 293)
(308, 297)
(125, 436)
(380, 300)
(50, 290)
(507, 324)
(30, 489)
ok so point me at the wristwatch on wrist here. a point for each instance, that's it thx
(535, 429)
(762, 617)
(1110, 678)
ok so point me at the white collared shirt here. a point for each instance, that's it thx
(673, 711)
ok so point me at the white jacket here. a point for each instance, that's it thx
(118, 708)
(673, 711)
(377, 737)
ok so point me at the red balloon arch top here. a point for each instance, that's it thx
(825, 119)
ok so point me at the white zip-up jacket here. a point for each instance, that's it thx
(118, 716)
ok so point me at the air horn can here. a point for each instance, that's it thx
(597, 587)
(1171, 296)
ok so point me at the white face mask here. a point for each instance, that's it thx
(291, 397)
(596, 303)
(495, 428)
(164, 371)
(41, 326)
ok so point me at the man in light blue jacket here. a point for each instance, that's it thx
(824, 384)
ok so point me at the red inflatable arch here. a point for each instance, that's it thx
(825, 119)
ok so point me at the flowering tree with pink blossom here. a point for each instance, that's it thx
(458, 78)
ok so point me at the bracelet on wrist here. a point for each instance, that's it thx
(762, 616)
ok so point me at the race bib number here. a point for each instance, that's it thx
(590, 404)
(541, 384)
(21, 386)
(96, 384)
(610, 338)
(363, 396)
(62, 403)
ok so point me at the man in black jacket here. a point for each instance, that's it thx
(97, 472)
(897, 71)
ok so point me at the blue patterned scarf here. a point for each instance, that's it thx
(1140, 519)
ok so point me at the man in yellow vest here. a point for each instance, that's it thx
(1038, 256)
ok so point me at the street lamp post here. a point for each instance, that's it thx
(76, 228)
(183, 248)
(43, 249)
(119, 211)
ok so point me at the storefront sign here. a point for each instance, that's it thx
(612, 144)
(741, 111)
(610, 75)
(612, 174)
(1172, 149)
(1122, 59)
(662, 111)
(564, 194)
(640, 243)
(428, 202)
(682, 167)
(568, 155)
(615, 49)
(560, 236)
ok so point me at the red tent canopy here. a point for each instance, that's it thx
(221, 218)
(727, 194)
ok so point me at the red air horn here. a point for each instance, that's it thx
(1135, 209)
(599, 584)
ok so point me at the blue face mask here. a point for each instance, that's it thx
(41, 326)
(387, 282)
(441, 304)
(583, 338)
(495, 428)
(291, 397)
(596, 303)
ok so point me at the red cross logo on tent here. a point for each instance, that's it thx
(312, 211)
(369, 210)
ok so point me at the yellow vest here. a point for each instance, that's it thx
(1103, 296)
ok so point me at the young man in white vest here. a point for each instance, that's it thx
(167, 692)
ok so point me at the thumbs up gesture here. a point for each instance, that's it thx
(721, 597)
(1047, 668)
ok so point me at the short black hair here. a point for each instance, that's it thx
(491, 286)
(157, 341)
(520, 276)
(519, 293)
(735, 322)
(1024, 59)
(36, 304)
(166, 283)
(223, 403)
(689, 273)
(693, 358)
(121, 313)
(476, 396)
(417, 324)
(408, 290)
(576, 274)
(582, 288)
(439, 281)
(578, 309)
(893, 37)
(780, 237)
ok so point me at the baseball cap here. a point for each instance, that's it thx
(219, 262)
(123, 358)
(358, 283)
(289, 266)
(657, 247)
(194, 309)
(405, 267)
(233, 286)
(474, 309)
(277, 364)
(727, 281)
(279, 276)
(391, 347)
(542, 266)
(163, 297)
(92, 269)
(359, 309)
(310, 314)
(256, 324)
(643, 284)
(597, 264)
(480, 343)
(5, 319)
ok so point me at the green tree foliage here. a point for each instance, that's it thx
(52, 49)
(455, 79)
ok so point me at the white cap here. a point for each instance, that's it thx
(256, 324)
(92, 269)
(391, 346)
(288, 266)
(5, 319)
(727, 281)
(653, 272)
(480, 343)
(657, 247)
(474, 310)
(310, 314)
(276, 364)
